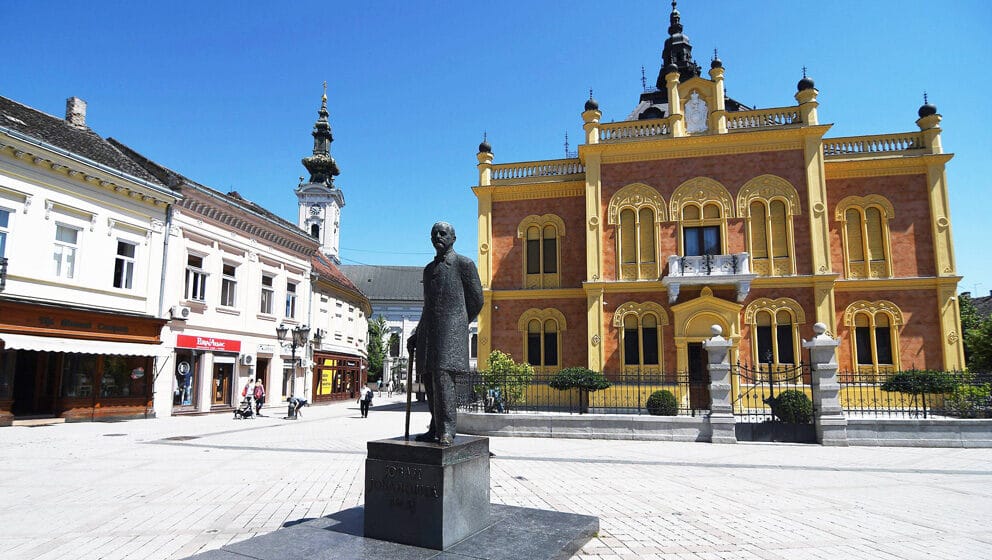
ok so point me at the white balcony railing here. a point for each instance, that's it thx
(709, 270)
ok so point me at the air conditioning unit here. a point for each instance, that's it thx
(248, 360)
(180, 312)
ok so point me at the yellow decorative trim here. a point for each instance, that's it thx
(541, 315)
(701, 190)
(533, 191)
(636, 196)
(567, 293)
(890, 284)
(540, 222)
(773, 306)
(767, 187)
(639, 309)
(863, 202)
(882, 166)
(873, 307)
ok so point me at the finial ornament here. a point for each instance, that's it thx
(925, 101)
(644, 80)
(804, 71)
(590, 93)
(325, 90)
(714, 55)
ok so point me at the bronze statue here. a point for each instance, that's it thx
(452, 300)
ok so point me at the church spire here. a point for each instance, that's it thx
(677, 50)
(321, 165)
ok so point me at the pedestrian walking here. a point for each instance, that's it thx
(389, 388)
(248, 391)
(259, 394)
(366, 401)
(378, 385)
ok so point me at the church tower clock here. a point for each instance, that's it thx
(320, 202)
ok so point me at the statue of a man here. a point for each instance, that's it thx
(452, 300)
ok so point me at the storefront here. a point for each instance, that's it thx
(75, 363)
(336, 376)
(205, 374)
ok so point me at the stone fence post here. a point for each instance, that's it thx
(831, 425)
(721, 416)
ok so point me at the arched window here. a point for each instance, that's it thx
(636, 210)
(768, 204)
(315, 231)
(542, 259)
(864, 223)
(542, 338)
(775, 330)
(702, 207)
(640, 337)
(874, 336)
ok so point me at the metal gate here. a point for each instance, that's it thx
(773, 403)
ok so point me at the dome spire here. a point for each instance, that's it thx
(677, 50)
(321, 165)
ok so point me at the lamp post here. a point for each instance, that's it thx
(300, 335)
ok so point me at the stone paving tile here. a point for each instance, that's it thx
(84, 491)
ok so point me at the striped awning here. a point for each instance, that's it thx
(79, 346)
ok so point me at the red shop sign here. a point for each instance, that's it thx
(207, 343)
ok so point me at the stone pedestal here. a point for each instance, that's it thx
(831, 425)
(721, 416)
(426, 495)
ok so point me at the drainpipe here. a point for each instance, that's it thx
(161, 290)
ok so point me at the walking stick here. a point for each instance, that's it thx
(409, 389)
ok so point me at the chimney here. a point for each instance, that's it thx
(75, 112)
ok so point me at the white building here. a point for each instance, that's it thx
(81, 254)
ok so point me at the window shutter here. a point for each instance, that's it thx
(550, 253)
(759, 241)
(690, 212)
(628, 235)
(780, 240)
(533, 250)
(646, 218)
(711, 211)
(876, 251)
(855, 248)
(550, 343)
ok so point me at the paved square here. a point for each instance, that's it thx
(172, 487)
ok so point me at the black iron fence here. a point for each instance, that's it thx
(762, 390)
(628, 393)
(961, 395)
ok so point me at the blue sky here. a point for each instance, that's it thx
(227, 92)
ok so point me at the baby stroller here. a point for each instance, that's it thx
(245, 411)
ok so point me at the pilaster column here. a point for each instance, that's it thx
(718, 116)
(590, 119)
(721, 415)
(807, 105)
(831, 425)
(485, 168)
(675, 117)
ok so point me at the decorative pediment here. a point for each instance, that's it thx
(876, 200)
(773, 306)
(639, 309)
(636, 196)
(873, 307)
(541, 315)
(767, 187)
(540, 222)
(699, 190)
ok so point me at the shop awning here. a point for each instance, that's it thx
(75, 345)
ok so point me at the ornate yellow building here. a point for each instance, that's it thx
(698, 210)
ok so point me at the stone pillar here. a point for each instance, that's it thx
(718, 116)
(721, 416)
(485, 167)
(590, 120)
(831, 425)
(675, 116)
(807, 106)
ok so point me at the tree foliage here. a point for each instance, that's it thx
(376, 347)
(579, 378)
(977, 336)
(508, 377)
(921, 382)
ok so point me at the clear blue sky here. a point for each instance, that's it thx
(226, 92)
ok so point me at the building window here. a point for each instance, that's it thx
(636, 210)
(639, 326)
(229, 285)
(124, 265)
(66, 245)
(394, 344)
(267, 295)
(196, 279)
(541, 331)
(4, 225)
(864, 225)
(874, 336)
(774, 330)
(542, 244)
(473, 346)
(769, 204)
(290, 300)
(702, 206)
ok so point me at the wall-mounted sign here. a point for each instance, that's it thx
(207, 343)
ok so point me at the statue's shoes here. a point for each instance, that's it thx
(446, 440)
(426, 436)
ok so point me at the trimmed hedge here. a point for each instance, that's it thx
(580, 378)
(792, 407)
(663, 403)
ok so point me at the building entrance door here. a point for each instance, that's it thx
(26, 376)
(699, 377)
(223, 378)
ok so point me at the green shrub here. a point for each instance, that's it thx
(970, 401)
(579, 378)
(508, 376)
(792, 407)
(921, 381)
(663, 403)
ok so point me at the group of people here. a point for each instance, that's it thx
(254, 391)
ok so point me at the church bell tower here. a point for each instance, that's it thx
(320, 202)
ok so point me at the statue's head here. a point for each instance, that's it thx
(442, 237)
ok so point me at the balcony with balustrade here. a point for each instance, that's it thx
(709, 270)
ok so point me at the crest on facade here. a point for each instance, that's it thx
(696, 113)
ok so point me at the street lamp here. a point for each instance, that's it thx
(300, 335)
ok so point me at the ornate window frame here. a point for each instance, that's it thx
(869, 268)
(542, 315)
(701, 192)
(766, 190)
(635, 197)
(541, 279)
(773, 307)
(639, 311)
(872, 309)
